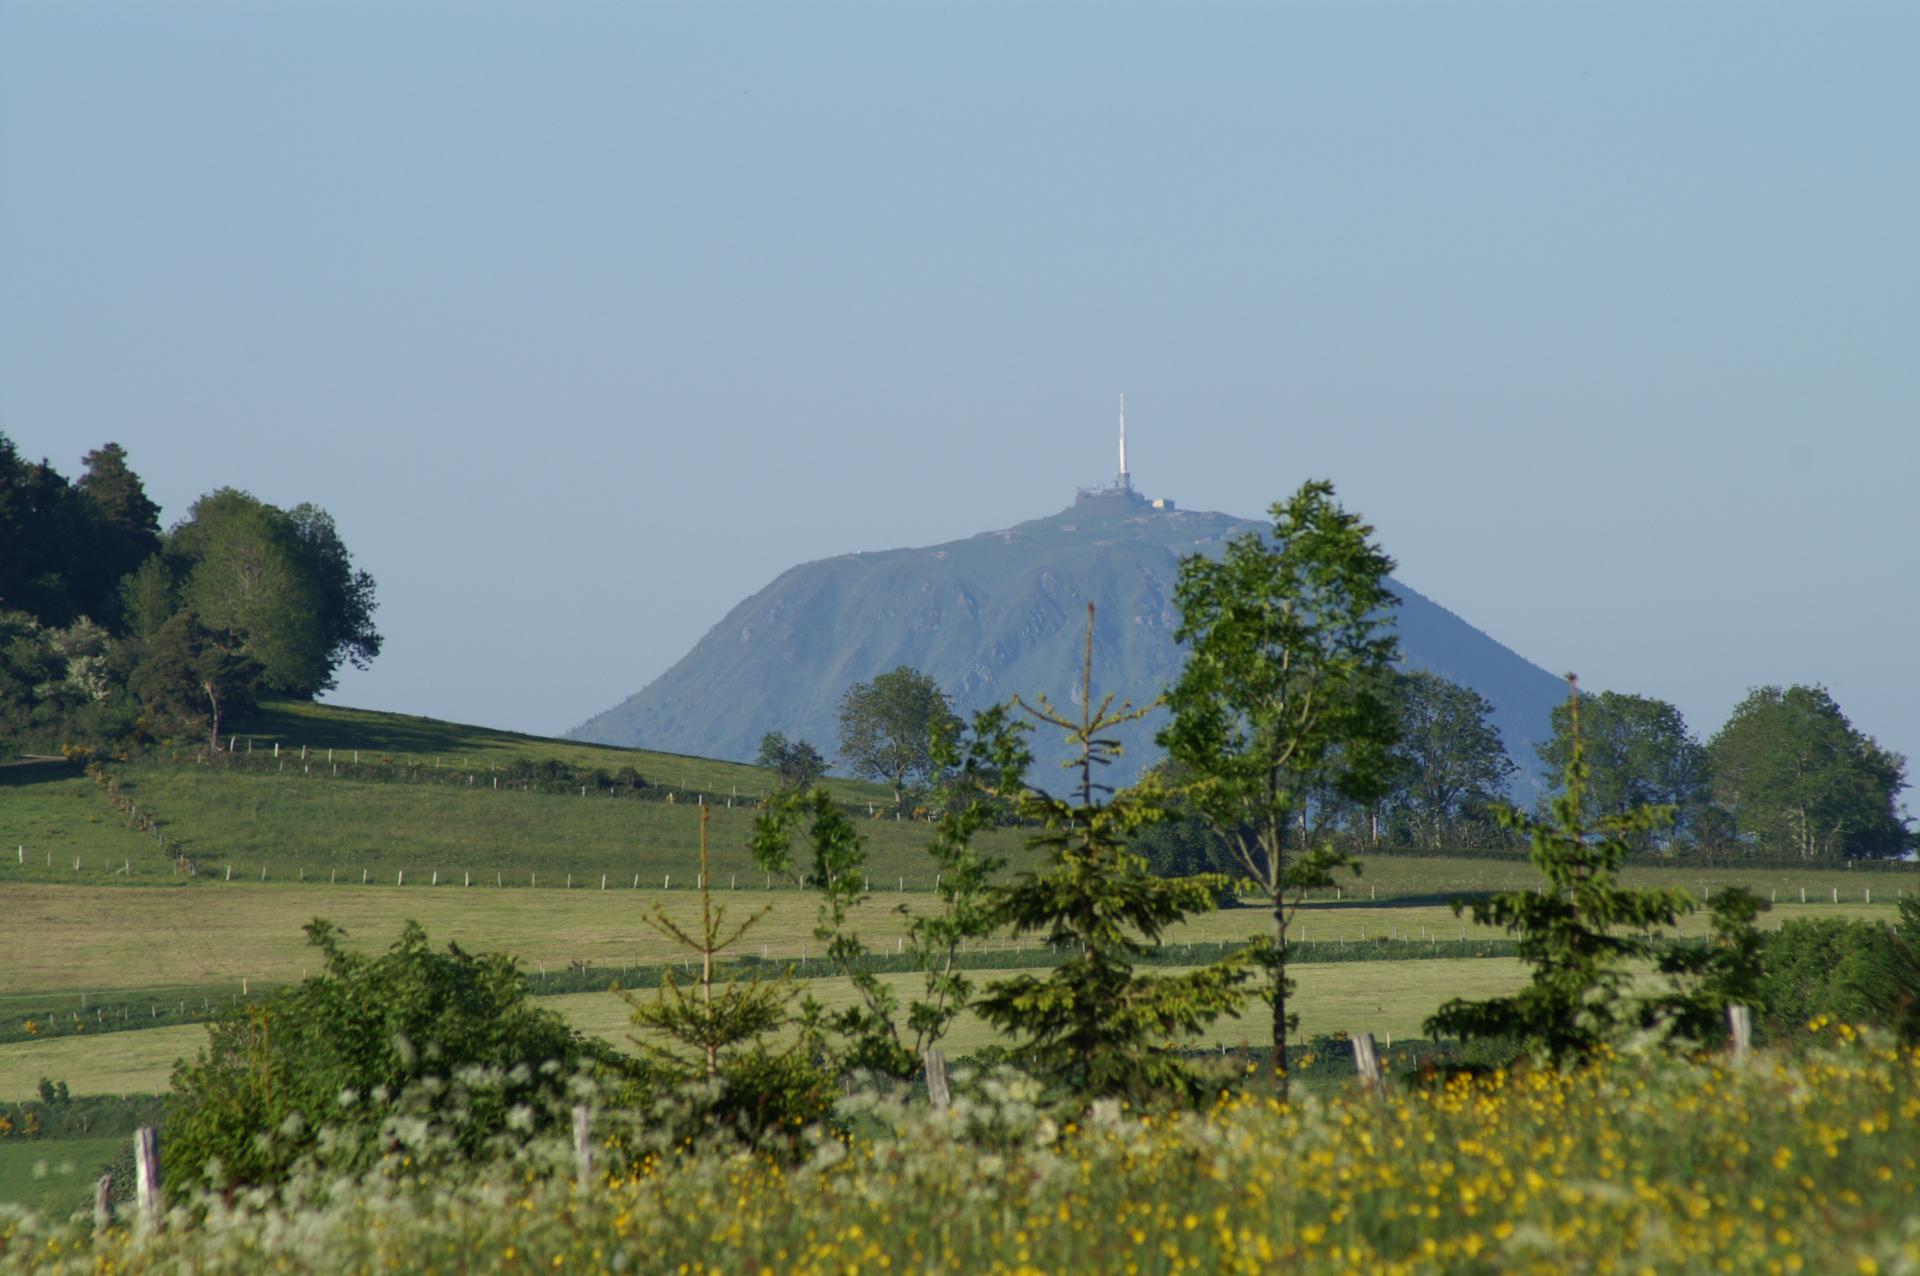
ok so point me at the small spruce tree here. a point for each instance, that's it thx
(1093, 1024)
(718, 1031)
(1581, 931)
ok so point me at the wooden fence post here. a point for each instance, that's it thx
(937, 1092)
(1740, 1022)
(582, 1146)
(146, 1170)
(103, 1203)
(1368, 1063)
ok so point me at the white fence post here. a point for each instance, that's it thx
(937, 1092)
(1740, 1022)
(1368, 1063)
(146, 1170)
(582, 1146)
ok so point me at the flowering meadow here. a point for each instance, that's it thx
(1800, 1161)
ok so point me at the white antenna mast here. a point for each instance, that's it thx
(1126, 483)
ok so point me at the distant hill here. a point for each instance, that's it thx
(996, 614)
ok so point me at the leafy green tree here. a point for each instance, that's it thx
(197, 676)
(368, 1037)
(887, 728)
(1638, 752)
(1450, 756)
(876, 1036)
(1581, 932)
(346, 593)
(1285, 701)
(283, 581)
(1093, 1023)
(247, 579)
(149, 597)
(1800, 780)
(798, 763)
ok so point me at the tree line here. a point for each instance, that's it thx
(113, 632)
(1787, 776)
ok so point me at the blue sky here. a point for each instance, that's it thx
(585, 320)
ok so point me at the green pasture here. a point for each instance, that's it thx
(54, 1175)
(319, 828)
(114, 1063)
(1396, 876)
(319, 727)
(51, 814)
(1388, 999)
(124, 940)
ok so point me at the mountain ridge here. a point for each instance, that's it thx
(996, 613)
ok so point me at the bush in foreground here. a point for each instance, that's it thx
(451, 1032)
(1802, 1162)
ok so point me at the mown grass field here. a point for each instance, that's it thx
(1388, 999)
(106, 939)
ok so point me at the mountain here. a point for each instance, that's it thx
(999, 613)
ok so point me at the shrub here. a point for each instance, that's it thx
(450, 1034)
(1854, 972)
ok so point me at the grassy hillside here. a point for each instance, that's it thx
(319, 727)
(325, 825)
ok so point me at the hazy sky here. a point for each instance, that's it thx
(586, 320)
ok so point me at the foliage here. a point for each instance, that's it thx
(67, 544)
(86, 566)
(54, 681)
(1633, 1163)
(1451, 760)
(989, 761)
(1707, 977)
(755, 1087)
(1284, 701)
(1799, 779)
(196, 676)
(888, 726)
(1848, 971)
(343, 1049)
(797, 762)
(1581, 930)
(1638, 752)
(1094, 1024)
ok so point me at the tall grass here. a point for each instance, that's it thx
(1796, 1162)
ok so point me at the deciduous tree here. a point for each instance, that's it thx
(1450, 752)
(1285, 699)
(1799, 779)
(1638, 752)
(196, 675)
(797, 762)
(887, 728)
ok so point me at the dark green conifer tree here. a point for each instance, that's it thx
(1093, 1023)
